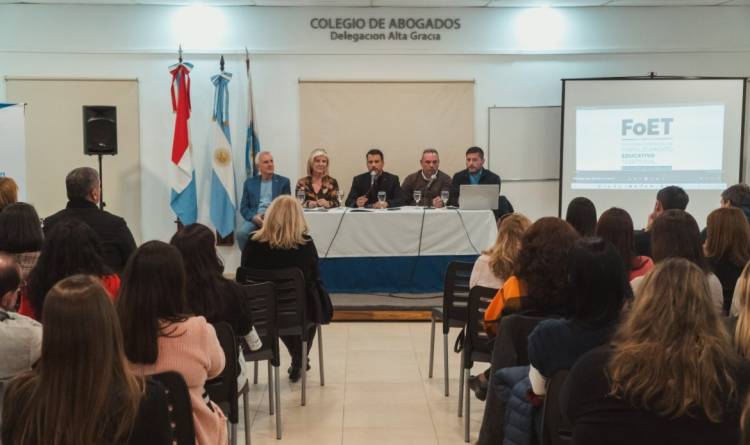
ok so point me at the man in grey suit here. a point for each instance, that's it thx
(257, 194)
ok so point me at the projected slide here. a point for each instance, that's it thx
(649, 147)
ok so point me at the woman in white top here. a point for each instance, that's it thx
(496, 263)
(675, 234)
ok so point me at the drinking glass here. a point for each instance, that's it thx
(340, 194)
(444, 197)
(381, 197)
(417, 197)
(301, 197)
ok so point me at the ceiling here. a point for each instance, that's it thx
(406, 3)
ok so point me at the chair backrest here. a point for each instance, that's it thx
(511, 343)
(555, 427)
(456, 293)
(290, 293)
(181, 409)
(260, 301)
(222, 389)
(476, 339)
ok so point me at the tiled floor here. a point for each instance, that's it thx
(377, 391)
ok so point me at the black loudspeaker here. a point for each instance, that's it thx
(99, 130)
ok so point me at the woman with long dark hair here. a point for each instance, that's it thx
(21, 235)
(71, 248)
(616, 226)
(81, 392)
(581, 214)
(727, 247)
(160, 334)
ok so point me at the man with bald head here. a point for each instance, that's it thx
(20, 336)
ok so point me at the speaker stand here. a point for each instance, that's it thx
(101, 184)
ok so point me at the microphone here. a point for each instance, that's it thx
(373, 175)
(432, 179)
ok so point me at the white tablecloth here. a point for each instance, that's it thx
(346, 233)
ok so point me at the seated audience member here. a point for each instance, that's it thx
(70, 248)
(208, 293)
(668, 198)
(81, 391)
(739, 322)
(669, 376)
(283, 242)
(429, 180)
(745, 423)
(727, 248)
(475, 173)
(84, 192)
(321, 190)
(598, 288)
(538, 284)
(616, 227)
(161, 335)
(365, 187)
(675, 234)
(20, 337)
(496, 263)
(738, 196)
(21, 235)
(8, 192)
(257, 194)
(540, 277)
(581, 215)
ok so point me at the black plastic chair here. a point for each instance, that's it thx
(222, 389)
(453, 311)
(291, 311)
(260, 301)
(180, 407)
(477, 346)
(555, 427)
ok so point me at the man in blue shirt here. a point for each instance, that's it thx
(475, 173)
(257, 194)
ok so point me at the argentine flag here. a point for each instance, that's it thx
(223, 201)
(184, 201)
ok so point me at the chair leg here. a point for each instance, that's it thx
(270, 389)
(233, 433)
(445, 363)
(461, 387)
(467, 400)
(304, 372)
(320, 356)
(432, 344)
(277, 388)
(246, 410)
(255, 373)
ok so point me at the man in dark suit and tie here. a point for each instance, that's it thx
(257, 194)
(365, 187)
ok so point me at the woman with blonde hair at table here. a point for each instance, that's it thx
(321, 190)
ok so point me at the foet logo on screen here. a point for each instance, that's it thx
(657, 126)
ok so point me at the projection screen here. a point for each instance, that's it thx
(624, 139)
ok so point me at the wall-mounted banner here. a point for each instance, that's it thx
(357, 29)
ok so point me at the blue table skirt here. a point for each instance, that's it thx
(407, 274)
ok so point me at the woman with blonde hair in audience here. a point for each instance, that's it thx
(675, 234)
(81, 391)
(727, 247)
(321, 190)
(283, 242)
(160, 334)
(8, 192)
(670, 374)
(739, 321)
(496, 263)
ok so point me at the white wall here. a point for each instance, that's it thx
(140, 42)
